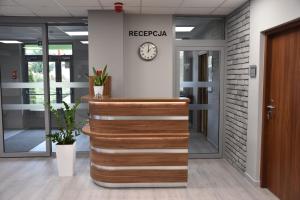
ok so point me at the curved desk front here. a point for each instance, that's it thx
(138, 142)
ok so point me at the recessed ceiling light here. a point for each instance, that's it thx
(84, 42)
(184, 28)
(10, 42)
(77, 33)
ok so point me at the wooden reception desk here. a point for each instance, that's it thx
(138, 142)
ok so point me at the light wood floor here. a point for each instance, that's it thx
(36, 179)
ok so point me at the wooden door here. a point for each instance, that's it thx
(281, 132)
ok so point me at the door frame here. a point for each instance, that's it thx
(266, 77)
(44, 28)
(218, 45)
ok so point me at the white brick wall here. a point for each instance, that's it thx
(237, 80)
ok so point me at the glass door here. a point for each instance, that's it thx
(69, 74)
(63, 83)
(198, 75)
(35, 73)
(24, 122)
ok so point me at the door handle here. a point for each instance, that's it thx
(270, 109)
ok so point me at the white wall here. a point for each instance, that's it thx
(109, 43)
(106, 46)
(264, 14)
(148, 78)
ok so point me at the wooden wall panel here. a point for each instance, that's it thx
(139, 176)
(86, 129)
(138, 126)
(139, 159)
(139, 108)
(140, 142)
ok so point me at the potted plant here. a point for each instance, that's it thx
(99, 81)
(65, 138)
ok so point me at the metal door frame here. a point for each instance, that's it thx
(44, 28)
(191, 45)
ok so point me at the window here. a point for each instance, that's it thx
(60, 61)
(54, 49)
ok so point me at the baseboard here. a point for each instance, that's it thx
(252, 180)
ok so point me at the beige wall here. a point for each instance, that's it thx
(109, 43)
(106, 46)
(148, 78)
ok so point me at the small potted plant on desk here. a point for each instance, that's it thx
(65, 138)
(99, 81)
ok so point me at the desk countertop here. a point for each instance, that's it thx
(109, 99)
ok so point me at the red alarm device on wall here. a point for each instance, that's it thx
(118, 7)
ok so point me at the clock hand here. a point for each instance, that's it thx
(148, 48)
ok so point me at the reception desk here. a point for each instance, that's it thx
(138, 142)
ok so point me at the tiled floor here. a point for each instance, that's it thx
(36, 179)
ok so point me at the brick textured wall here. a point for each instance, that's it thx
(237, 80)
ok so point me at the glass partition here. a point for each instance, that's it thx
(201, 28)
(25, 121)
(22, 92)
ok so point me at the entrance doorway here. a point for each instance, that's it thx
(280, 169)
(198, 78)
(39, 64)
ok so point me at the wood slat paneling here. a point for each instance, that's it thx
(139, 108)
(139, 126)
(139, 159)
(140, 142)
(139, 176)
(86, 129)
(121, 145)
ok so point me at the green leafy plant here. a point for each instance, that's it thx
(100, 76)
(67, 128)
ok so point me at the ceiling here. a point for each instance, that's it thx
(79, 8)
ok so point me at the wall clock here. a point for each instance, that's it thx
(148, 51)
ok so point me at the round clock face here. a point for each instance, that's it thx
(148, 51)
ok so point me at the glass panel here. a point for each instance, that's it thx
(68, 70)
(205, 137)
(65, 76)
(202, 95)
(22, 90)
(186, 65)
(33, 49)
(191, 119)
(52, 79)
(54, 49)
(205, 28)
(188, 93)
(203, 92)
(60, 49)
(35, 75)
(207, 62)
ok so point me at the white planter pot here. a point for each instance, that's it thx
(98, 91)
(66, 156)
